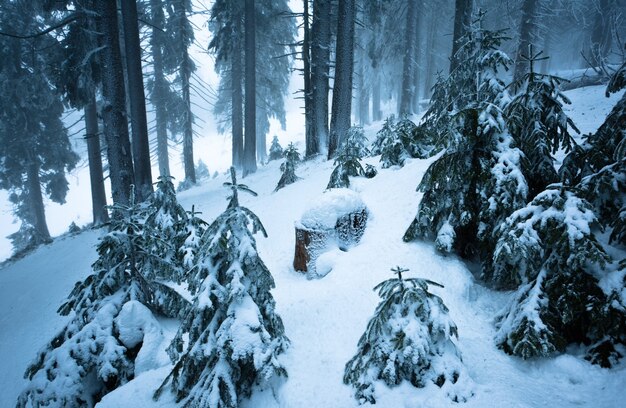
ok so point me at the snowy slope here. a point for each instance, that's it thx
(324, 318)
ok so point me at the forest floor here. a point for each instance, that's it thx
(325, 317)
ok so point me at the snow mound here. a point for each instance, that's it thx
(325, 211)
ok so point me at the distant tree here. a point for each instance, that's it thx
(276, 150)
(288, 167)
(235, 335)
(35, 151)
(409, 338)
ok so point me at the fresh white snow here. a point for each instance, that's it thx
(323, 318)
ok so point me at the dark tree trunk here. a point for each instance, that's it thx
(364, 95)
(377, 114)
(114, 110)
(408, 71)
(160, 86)
(311, 140)
(601, 36)
(528, 27)
(430, 55)
(96, 175)
(185, 70)
(418, 66)
(237, 97)
(35, 198)
(342, 89)
(462, 21)
(320, 58)
(137, 97)
(249, 158)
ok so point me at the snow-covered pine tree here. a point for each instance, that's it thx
(478, 180)
(410, 337)
(399, 141)
(288, 167)
(569, 293)
(202, 170)
(276, 150)
(234, 334)
(111, 323)
(385, 133)
(348, 160)
(539, 125)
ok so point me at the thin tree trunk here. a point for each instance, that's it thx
(408, 71)
(237, 97)
(185, 71)
(137, 97)
(96, 175)
(249, 158)
(418, 66)
(462, 21)
(430, 54)
(311, 139)
(320, 67)
(376, 112)
(160, 86)
(35, 199)
(364, 95)
(528, 25)
(114, 110)
(342, 89)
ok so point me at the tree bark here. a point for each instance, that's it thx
(114, 110)
(528, 27)
(320, 66)
(377, 114)
(408, 70)
(237, 97)
(160, 86)
(96, 175)
(462, 21)
(601, 36)
(137, 97)
(311, 141)
(35, 199)
(344, 66)
(430, 55)
(364, 95)
(249, 158)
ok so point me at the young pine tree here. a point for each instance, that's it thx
(276, 150)
(111, 322)
(409, 338)
(569, 292)
(234, 334)
(288, 167)
(348, 160)
(478, 180)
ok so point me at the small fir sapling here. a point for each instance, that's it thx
(202, 171)
(409, 338)
(477, 181)
(96, 351)
(288, 167)
(190, 240)
(276, 150)
(398, 141)
(233, 336)
(385, 133)
(569, 292)
(348, 161)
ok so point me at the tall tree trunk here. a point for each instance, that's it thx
(601, 36)
(418, 68)
(311, 139)
(342, 88)
(408, 71)
(320, 66)
(185, 71)
(35, 200)
(462, 21)
(528, 27)
(249, 153)
(364, 94)
(237, 96)
(377, 114)
(96, 175)
(159, 91)
(137, 97)
(430, 54)
(121, 170)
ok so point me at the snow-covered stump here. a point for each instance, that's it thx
(337, 219)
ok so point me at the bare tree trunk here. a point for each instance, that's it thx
(311, 141)
(237, 98)
(408, 71)
(342, 89)
(137, 97)
(601, 36)
(528, 26)
(377, 114)
(114, 110)
(364, 95)
(160, 87)
(35, 199)
(320, 66)
(96, 175)
(462, 21)
(430, 54)
(249, 154)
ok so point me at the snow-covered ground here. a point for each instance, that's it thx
(323, 318)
